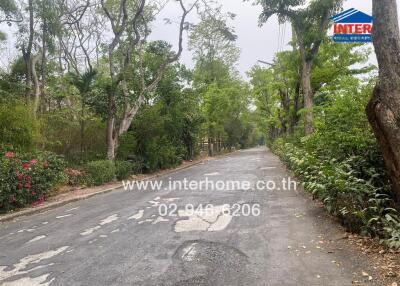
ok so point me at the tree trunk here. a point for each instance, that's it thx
(36, 84)
(27, 54)
(111, 141)
(383, 110)
(43, 67)
(294, 116)
(308, 96)
(210, 147)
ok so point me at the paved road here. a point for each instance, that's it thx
(120, 238)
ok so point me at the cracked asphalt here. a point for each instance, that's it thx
(134, 237)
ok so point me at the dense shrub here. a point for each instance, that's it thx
(123, 169)
(161, 154)
(75, 177)
(27, 178)
(361, 205)
(340, 164)
(63, 132)
(100, 172)
(18, 127)
(154, 141)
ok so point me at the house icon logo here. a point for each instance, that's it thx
(352, 26)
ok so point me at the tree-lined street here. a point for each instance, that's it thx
(119, 238)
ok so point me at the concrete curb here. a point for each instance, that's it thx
(52, 205)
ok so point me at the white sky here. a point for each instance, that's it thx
(255, 42)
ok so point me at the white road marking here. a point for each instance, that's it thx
(71, 209)
(212, 174)
(63, 216)
(171, 199)
(27, 230)
(213, 219)
(109, 219)
(105, 221)
(221, 223)
(146, 220)
(192, 224)
(160, 219)
(21, 267)
(36, 238)
(34, 281)
(90, 230)
(137, 216)
(154, 203)
(268, 168)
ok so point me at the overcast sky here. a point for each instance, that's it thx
(255, 42)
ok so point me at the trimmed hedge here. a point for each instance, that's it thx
(123, 169)
(100, 172)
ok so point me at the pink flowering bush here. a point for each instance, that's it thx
(26, 179)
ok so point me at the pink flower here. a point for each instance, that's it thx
(45, 164)
(19, 186)
(9, 154)
(33, 161)
(27, 186)
(26, 166)
(20, 177)
(33, 193)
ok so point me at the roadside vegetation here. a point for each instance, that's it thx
(313, 100)
(87, 99)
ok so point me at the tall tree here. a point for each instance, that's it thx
(129, 24)
(310, 25)
(383, 110)
(212, 42)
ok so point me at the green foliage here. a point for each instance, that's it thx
(310, 22)
(154, 143)
(28, 178)
(341, 126)
(123, 169)
(340, 163)
(226, 111)
(100, 172)
(79, 141)
(18, 127)
(213, 40)
(361, 205)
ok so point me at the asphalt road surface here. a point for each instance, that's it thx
(155, 237)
